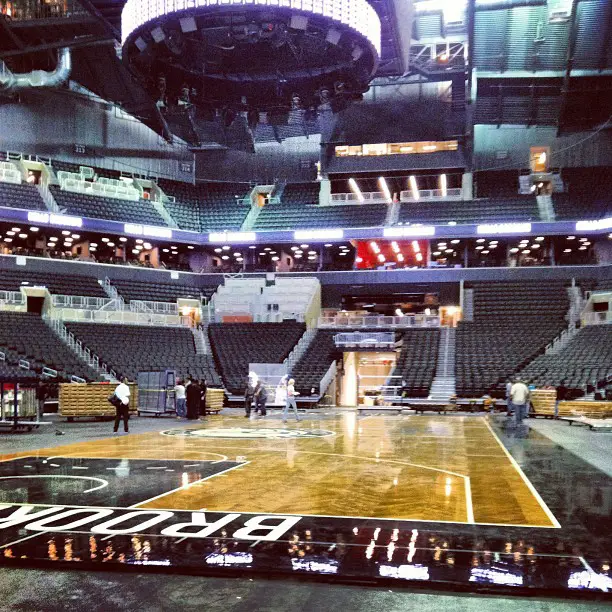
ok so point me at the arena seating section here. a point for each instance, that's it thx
(587, 196)
(416, 362)
(158, 292)
(128, 349)
(27, 336)
(72, 167)
(586, 359)
(518, 208)
(208, 206)
(236, 345)
(12, 280)
(298, 207)
(20, 196)
(315, 362)
(107, 208)
(513, 323)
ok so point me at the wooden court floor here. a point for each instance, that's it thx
(429, 468)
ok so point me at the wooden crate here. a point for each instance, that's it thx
(587, 408)
(90, 400)
(543, 402)
(214, 400)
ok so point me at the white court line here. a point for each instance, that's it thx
(183, 488)
(469, 508)
(22, 539)
(534, 492)
(157, 467)
(27, 476)
(79, 467)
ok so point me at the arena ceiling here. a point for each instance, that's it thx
(527, 61)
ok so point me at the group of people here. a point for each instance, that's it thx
(257, 394)
(190, 398)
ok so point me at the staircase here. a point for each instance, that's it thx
(300, 348)
(82, 352)
(113, 294)
(443, 386)
(393, 211)
(158, 205)
(199, 341)
(546, 209)
(47, 197)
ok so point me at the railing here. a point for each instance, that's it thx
(597, 318)
(327, 379)
(77, 379)
(126, 317)
(80, 302)
(367, 197)
(562, 339)
(12, 298)
(112, 292)
(153, 307)
(364, 339)
(91, 359)
(300, 348)
(356, 321)
(431, 195)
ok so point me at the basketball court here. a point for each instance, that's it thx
(435, 469)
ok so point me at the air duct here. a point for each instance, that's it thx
(37, 78)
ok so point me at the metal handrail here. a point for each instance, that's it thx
(356, 321)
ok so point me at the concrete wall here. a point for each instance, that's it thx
(50, 123)
(508, 146)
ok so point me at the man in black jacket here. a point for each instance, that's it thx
(194, 395)
(248, 398)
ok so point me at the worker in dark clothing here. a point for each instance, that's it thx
(261, 397)
(248, 397)
(194, 396)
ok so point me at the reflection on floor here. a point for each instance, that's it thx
(412, 498)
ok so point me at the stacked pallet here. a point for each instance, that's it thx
(585, 408)
(214, 400)
(543, 402)
(90, 400)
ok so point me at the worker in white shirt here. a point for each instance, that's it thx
(291, 394)
(519, 396)
(122, 407)
(181, 399)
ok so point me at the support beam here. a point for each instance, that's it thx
(571, 48)
(471, 15)
(74, 43)
(6, 28)
(94, 12)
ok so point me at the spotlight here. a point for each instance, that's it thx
(414, 187)
(355, 189)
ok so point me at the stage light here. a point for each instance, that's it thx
(355, 189)
(400, 257)
(416, 247)
(417, 230)
(414, 187)
(419, 256)
(385, 189)
(381, 258)
(374, 246)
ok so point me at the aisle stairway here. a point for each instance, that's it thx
(443, 386)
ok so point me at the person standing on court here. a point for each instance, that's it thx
(261, 397)
(519, 396)
(181, 399)
(203, 388)
(194, 394)
(291, 395)
(122, 405)
(248, 397)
